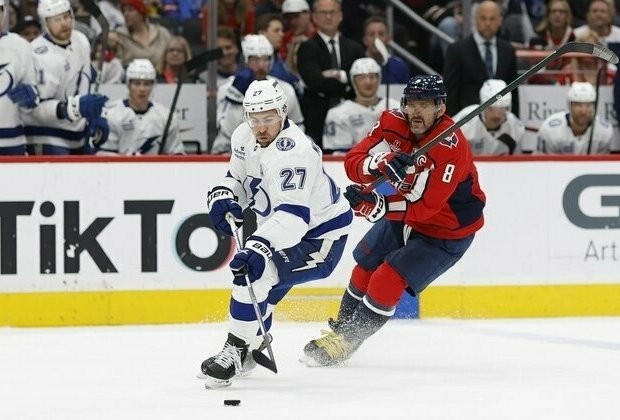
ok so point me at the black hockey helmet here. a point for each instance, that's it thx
(422, 87)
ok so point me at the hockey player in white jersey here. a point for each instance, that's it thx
(496, 131)
(63, 75)
(135, 126)
(571, 132)
(350, 121)
(17, 86)
(258, 54)
(303, 220)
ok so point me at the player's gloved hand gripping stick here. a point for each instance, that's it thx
(570, 47)
(260, 358)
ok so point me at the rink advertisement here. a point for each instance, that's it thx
(128, 241)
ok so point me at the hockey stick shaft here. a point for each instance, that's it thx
(94, 10)
(598, 85)
(571, 47)
(189, 67)
(260, 358)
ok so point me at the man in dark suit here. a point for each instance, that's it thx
(480, 56)
(324, 62)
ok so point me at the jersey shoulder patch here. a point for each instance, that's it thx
(41, 49)
(285, 143)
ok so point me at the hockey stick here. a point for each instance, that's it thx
(571, 47)
(599, 73)
(260, 358)
(189, 67)
(385, 55)
(94, 10)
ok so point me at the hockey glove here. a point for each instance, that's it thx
(81, 106)
(391, 164)
(372, 205)
(251, 260)
(98, 132)
(24, 95)
(220, 202)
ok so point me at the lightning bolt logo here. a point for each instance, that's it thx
(315, 259)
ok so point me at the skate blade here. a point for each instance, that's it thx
(214, 383)
(310, 362)
(242, 374)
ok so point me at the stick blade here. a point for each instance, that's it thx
(202, 59)
(264, 361)
(605, 54)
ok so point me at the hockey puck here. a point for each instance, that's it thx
(232, 403)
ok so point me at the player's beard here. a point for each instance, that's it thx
(420, 125)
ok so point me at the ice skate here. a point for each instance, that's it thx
(329, 350)
(247, 364)
(219, 373)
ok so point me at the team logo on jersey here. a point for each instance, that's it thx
(285, 143)
(421, 161)
(6, 79)
(40, 50)
(450, 142)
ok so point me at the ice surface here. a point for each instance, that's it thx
(423, 369)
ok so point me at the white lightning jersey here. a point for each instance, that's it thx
(16, 66)
(506, 140)
(349, 122)
(60, 72)
(230, 112)
(139, 133)
(556, 136)
(286, 186)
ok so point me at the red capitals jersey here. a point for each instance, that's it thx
(442, 197)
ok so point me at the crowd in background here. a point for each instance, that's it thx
(168, 33)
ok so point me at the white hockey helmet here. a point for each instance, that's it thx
(264, 95)
(581, 92)
(256, 45)
(490, 88)
(364, 65)
(140, 69)
(51, 8)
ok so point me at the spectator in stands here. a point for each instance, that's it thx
(113, 71)
(139, 38)
(480, 56)
(298, 24)
(182, 10)
(29, 28)
(496, 131)
(258, 55)
(349, 122)
(228, 65)
(112, 12)
(238, 15)
(571, 132)
(272, 26)
(556, 27)
(324, 62)
(376, 27)
(84, 22)
(586, 69)
(177, 53)
(599, 19)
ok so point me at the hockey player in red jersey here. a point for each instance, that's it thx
(419, 232)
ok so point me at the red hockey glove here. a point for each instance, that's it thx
(391, 164)
(372, 205)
